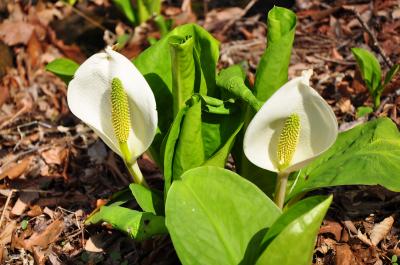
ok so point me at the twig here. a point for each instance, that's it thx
(386, 59)
(92, 21)
(233, 20)
(5, 207)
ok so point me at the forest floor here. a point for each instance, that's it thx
(54, 171)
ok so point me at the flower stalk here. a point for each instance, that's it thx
(280, 190)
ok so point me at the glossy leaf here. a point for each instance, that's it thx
(189, 152)
(363, 111)
(63, 68)
(292, 236)
(155, 64)
(138, 225)
(183, 70)
(392, 73)
(368, 154)
(232, 80)
(125, 6)
(272, 71)
(370, 69)
(149, 200)
(213, 215)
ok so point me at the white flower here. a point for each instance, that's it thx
(292, 128)
(128, 117)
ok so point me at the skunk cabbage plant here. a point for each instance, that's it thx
(291, 129)
(111, 96)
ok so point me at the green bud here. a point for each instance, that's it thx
(288, 140)
(120, 111)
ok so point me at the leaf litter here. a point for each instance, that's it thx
(54, 171)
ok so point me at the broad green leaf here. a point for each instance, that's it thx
(63, 68)
(392, 73)
(125, 6)
(293, 234)
(370, 70)
(183, 70)
(138, 225)
(363, 111)
(272, 71)
(213, 215)
(189, 151)
(368, 154)
(155, 64)
(149, 200)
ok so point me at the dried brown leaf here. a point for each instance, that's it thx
(15, 169)
(55, 155)
(5, 235)
(344, 255)
(381, 230)
(16, 32)
(48, 236)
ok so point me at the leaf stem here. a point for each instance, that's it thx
(280, 190)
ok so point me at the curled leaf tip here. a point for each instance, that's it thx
(120, 111)
(288, 140)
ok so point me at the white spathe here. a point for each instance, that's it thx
(89, 98)
(318, 125)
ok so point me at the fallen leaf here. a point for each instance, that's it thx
(344, 255)
(15, 169)
(55, 155)
(5, 235)
(15, 32)
(48, 236)
(25, 199)
(39, 255)
(35, 211)
(381, 230)
(364, 238)
(95, 243)
(333, 228)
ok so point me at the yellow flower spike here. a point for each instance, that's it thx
(288, 140)
(120, 115)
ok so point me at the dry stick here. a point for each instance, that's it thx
(386, 59)
(5, 207)
(233, 20)
(90, 20)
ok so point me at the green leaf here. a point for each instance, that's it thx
(189, 152)
(293, 234)
(232, 80)
(216, 217)
(272, 71)
(368, 154)
(125, 6)
(392, 73)
(363, 111)
(183, 70)
(63, 68)
(147, 8)
(149, 200)
(155, 64)
(138, 225)
(168, 148)
(370, 70)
